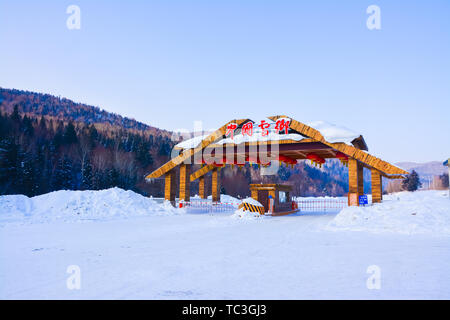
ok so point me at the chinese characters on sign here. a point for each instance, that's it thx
(247, 129)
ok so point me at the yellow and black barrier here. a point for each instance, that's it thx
(252, 207)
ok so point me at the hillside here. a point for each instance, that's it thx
(38, 104)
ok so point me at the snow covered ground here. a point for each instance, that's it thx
(128, 246)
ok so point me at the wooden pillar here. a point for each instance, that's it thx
(201, 187)
(353, 194)
(360, 179)
(185, 194)
(215, 185)
(169, 186)
(254, 194)
(377, 187)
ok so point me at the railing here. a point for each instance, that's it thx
(208, 206)
(321, 205)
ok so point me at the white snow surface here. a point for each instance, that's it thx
(403, 212)
(130, 247)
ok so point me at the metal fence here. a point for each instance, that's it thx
(321, 205)
(208, 206)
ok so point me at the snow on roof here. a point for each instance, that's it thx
(191, 143)
(332, 133)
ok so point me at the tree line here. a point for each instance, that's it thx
(44, 154)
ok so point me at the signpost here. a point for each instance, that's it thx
(363, 200)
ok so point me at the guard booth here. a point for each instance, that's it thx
(281, 195)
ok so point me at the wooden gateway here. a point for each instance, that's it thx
(297, 141)
(281, 195)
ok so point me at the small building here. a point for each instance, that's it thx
(280, 194)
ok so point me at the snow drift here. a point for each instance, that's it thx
(403, 212)
(80, 205)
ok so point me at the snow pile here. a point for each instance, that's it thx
(403, 212)
(224, 198)
(252, 202)
(245, 215)
(80, 205)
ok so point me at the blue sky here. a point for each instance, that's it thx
(169, 63)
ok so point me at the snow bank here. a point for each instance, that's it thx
(404, 212)
(252, 202)
(224, 198)
(80, 205)
(245, 215)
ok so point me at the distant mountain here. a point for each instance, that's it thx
(38, 104)
(425, 170)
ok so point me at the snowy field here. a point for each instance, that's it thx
(131, 247)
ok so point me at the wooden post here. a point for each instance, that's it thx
(185, 194)
(353, 195)
(201, 187)
(215, 185)
(360, 179)
(377, 188)
(254, 194)
(169, 187)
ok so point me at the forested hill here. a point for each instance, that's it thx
(39, 104)
(48, 144)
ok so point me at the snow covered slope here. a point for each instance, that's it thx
(403, 212)
(79, 205)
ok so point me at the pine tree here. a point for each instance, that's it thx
(86, 175)
(412, 182)
(62, 176)
(70, 136)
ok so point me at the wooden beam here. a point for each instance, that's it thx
(202, 171)
(187, 154)
(350, 151)
(377, 186)
(169, 186)
(184, 193)
(215, 185)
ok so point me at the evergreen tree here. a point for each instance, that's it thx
(62, 176)
(412, 182)
(86, 175)
(70, 136)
